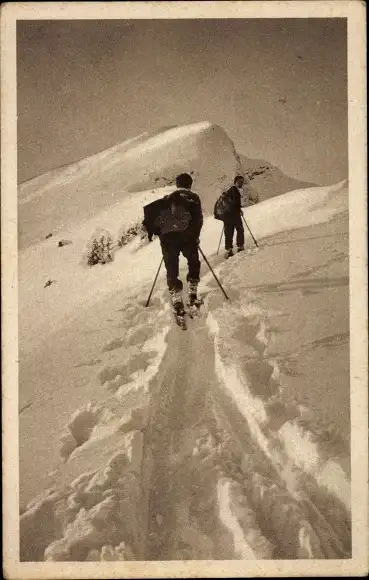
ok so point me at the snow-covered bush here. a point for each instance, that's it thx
(101, 251)
(127, 235)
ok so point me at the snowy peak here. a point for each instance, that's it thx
(79, 191)
(202, 149)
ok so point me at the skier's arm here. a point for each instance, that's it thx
(200, 217)
(237, 200)
(197, 218)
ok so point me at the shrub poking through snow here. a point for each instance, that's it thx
(102, 248)
(101, 251)
(127, 235)
(93, 256)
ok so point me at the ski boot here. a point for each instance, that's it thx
(192, 291)
(228, 254)
(194, 302)
(178, 308)
(240, 249)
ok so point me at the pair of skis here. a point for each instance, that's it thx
(191, 310)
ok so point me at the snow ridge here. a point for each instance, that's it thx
(94, 184)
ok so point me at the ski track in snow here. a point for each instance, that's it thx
(199, 461)
(198, 472)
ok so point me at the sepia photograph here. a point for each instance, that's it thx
(186, 200)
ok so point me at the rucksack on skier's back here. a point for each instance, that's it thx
(151, 213)
(171, 213)
(176, 217)
(223, 206)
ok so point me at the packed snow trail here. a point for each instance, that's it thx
(177, 515)
(213, 491)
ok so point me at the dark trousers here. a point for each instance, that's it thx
(172, 245)
(231, 224)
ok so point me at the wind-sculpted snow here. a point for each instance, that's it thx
(306, 504)
(102, 513)
(79, 429)
(237, 515)
(86, 518)
(83, 519)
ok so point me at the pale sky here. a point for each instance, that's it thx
(277, 86)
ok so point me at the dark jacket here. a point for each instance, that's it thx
(234, 193)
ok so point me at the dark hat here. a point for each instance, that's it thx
(184, 180)
(238, 177)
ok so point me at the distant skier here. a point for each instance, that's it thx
(177, 219)
(228, 209)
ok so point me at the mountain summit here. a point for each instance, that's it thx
(151, 160)
(60, 198)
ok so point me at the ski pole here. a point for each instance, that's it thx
(153, 286)
(212, 271)
(220, 241)
(255, 242)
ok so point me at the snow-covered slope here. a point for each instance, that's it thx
(266, 180)
(42, 310)
(77, 192)
(228, 441)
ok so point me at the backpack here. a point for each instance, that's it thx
(151, 213)
(168, 214)
(223, 206)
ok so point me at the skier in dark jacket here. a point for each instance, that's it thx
(179, 228)
(233, 219)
